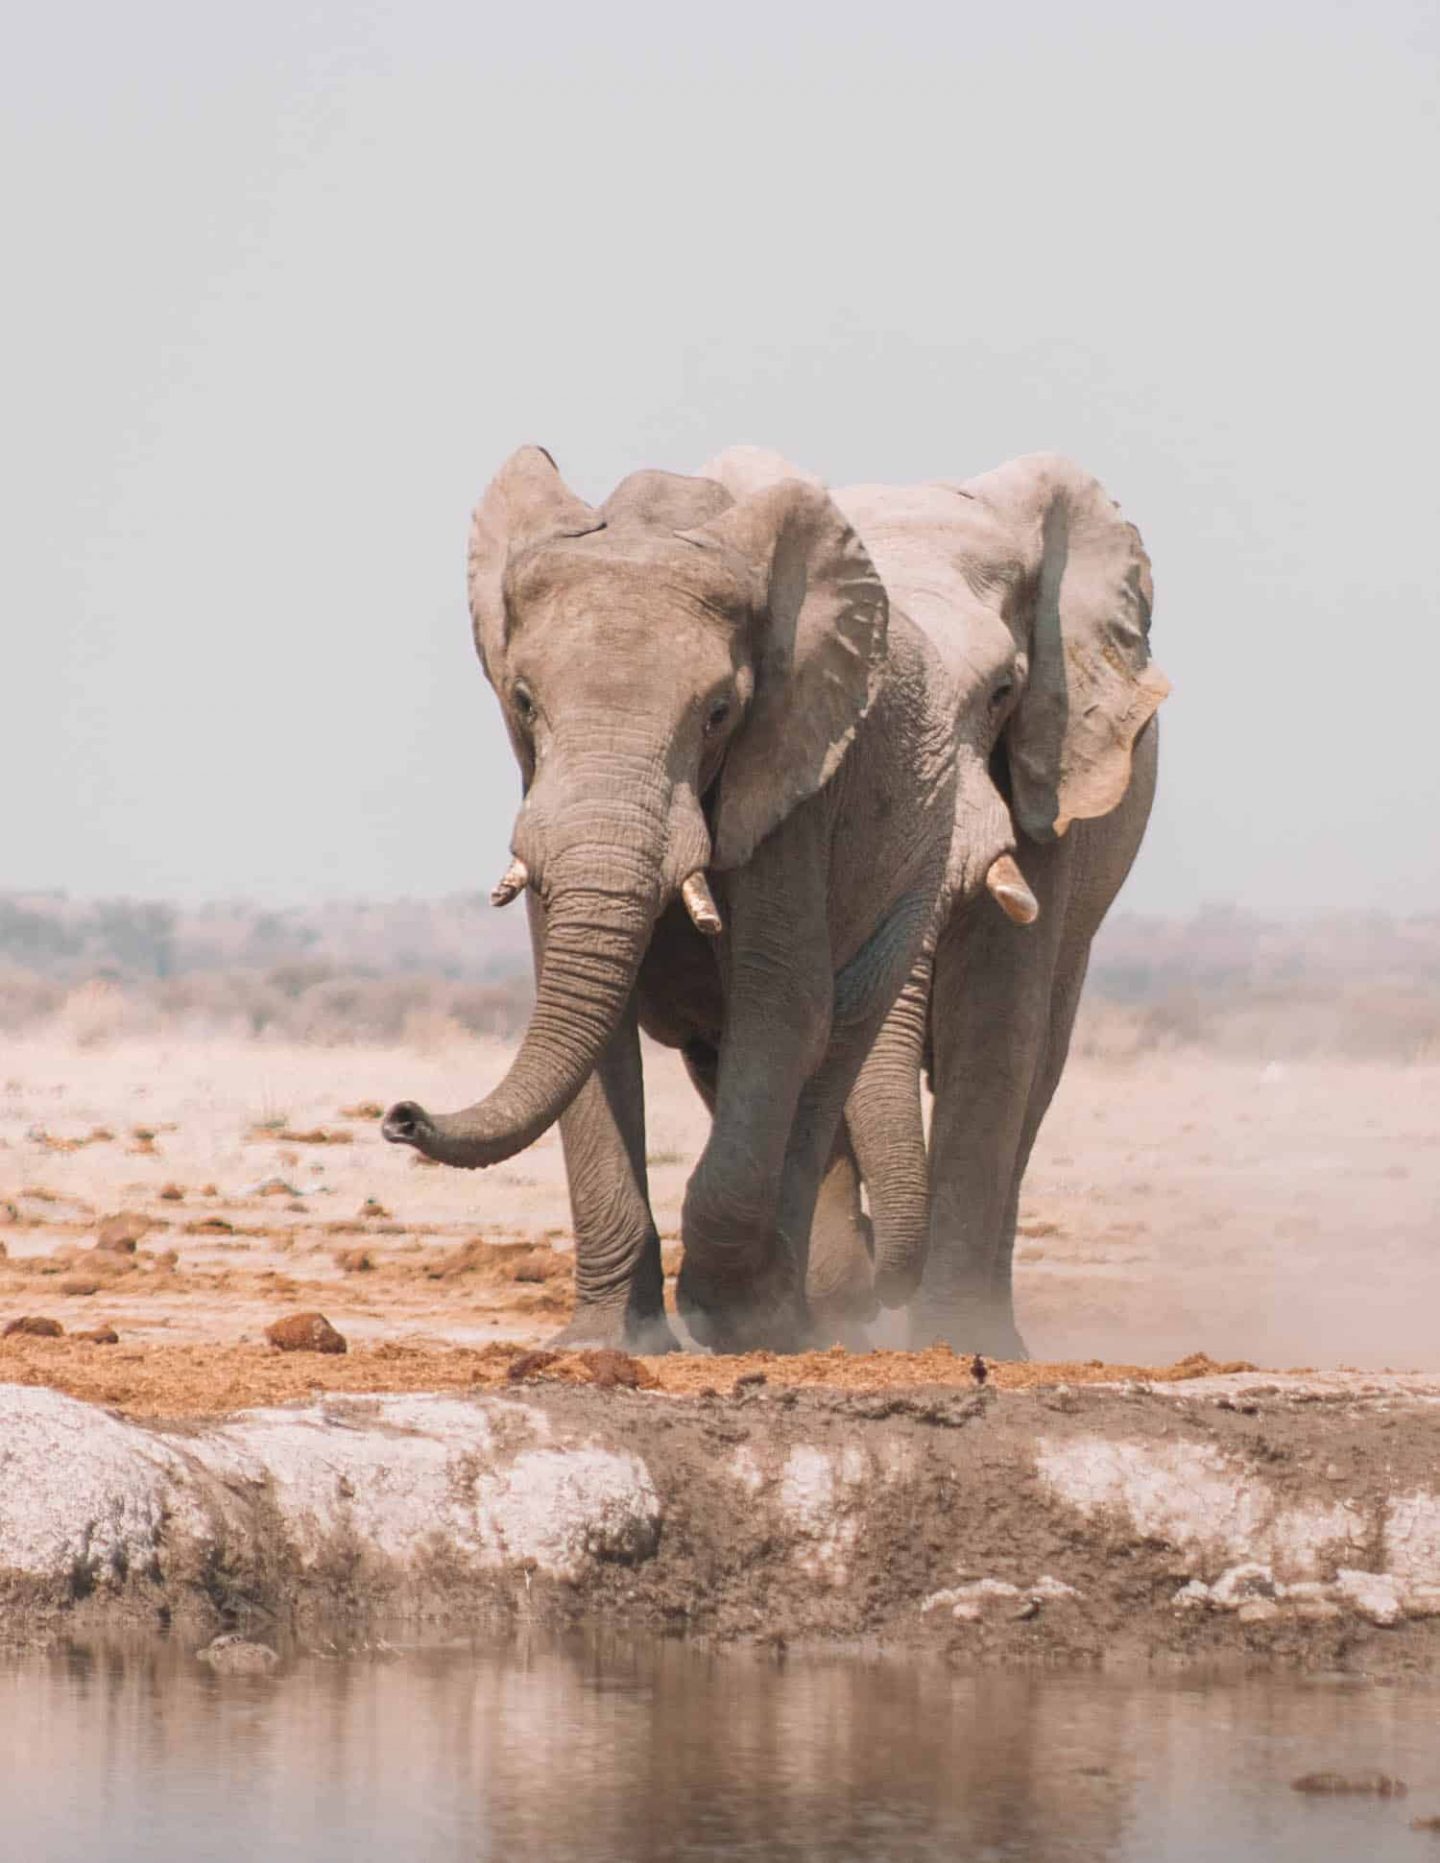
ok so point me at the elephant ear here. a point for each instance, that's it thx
(1091, 687)
(526, 503)
(820, 619)
(745, 470)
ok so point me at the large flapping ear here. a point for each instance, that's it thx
(1091, 687)
(663, 501)
(527, 502)
(819, 653)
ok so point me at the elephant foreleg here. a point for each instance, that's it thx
(1003, 1008)
(990, 1010)
(740, 1286)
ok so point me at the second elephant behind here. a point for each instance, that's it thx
(1036, 593)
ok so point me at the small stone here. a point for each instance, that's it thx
(119, 1234)
(102, 1335)
(34, 1326)
(79, 1286)
(1258, 1611)
(172, 1193)
(373, 1207)
(611, 1369)
(1192, 1597)
(530, 1365)
(233, 1655)
(305, 1332)
(1316, 1610)
(354, 1261)
(1425, 1824)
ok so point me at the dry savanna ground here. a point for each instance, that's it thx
(1179, 1204)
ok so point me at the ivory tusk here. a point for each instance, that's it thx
(1010, 892)
(700, 904)
(511, 884)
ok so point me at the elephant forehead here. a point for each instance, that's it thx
(941, 536)
(652, 581)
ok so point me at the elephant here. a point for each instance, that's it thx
(1037, 595)
(739, 780)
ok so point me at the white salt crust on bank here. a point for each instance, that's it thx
(432, 1491)
(84, 1496)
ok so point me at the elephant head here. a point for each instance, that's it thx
(1037, 594)
(678, 669)
(1075, 588)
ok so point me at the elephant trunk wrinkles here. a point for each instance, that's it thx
(600, 909)
(887, 1131)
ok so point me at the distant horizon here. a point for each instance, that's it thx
(480, 895)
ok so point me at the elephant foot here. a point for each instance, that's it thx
(838, 1313)
(970, 1328)
(754, 1313)
(645, 1335)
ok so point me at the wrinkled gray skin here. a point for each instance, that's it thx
(701, 681)
(1036, 595)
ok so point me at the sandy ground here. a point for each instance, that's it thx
(1178, 1204)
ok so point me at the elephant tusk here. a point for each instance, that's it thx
(511, 884)
(700, 904)
(1009, 890)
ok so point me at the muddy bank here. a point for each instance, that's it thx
(1282, 1519)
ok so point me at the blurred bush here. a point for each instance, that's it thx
(1356, 985)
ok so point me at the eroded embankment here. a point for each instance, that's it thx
(1285, 1518)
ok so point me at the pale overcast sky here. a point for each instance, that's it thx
(285, 283)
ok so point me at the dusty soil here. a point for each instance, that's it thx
(163, 1380)
(1178, 1204)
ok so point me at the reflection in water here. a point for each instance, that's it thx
(610, 1748)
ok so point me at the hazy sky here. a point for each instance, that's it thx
(284, 284)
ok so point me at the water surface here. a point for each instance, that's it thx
(613, 1748)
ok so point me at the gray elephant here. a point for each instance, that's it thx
(739, 778)
(1036, 594)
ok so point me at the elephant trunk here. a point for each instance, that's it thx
(887, 1131)
(600, 909)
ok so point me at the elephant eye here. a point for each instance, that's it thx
(1001, 693)
(524, 703)
(716, 716)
